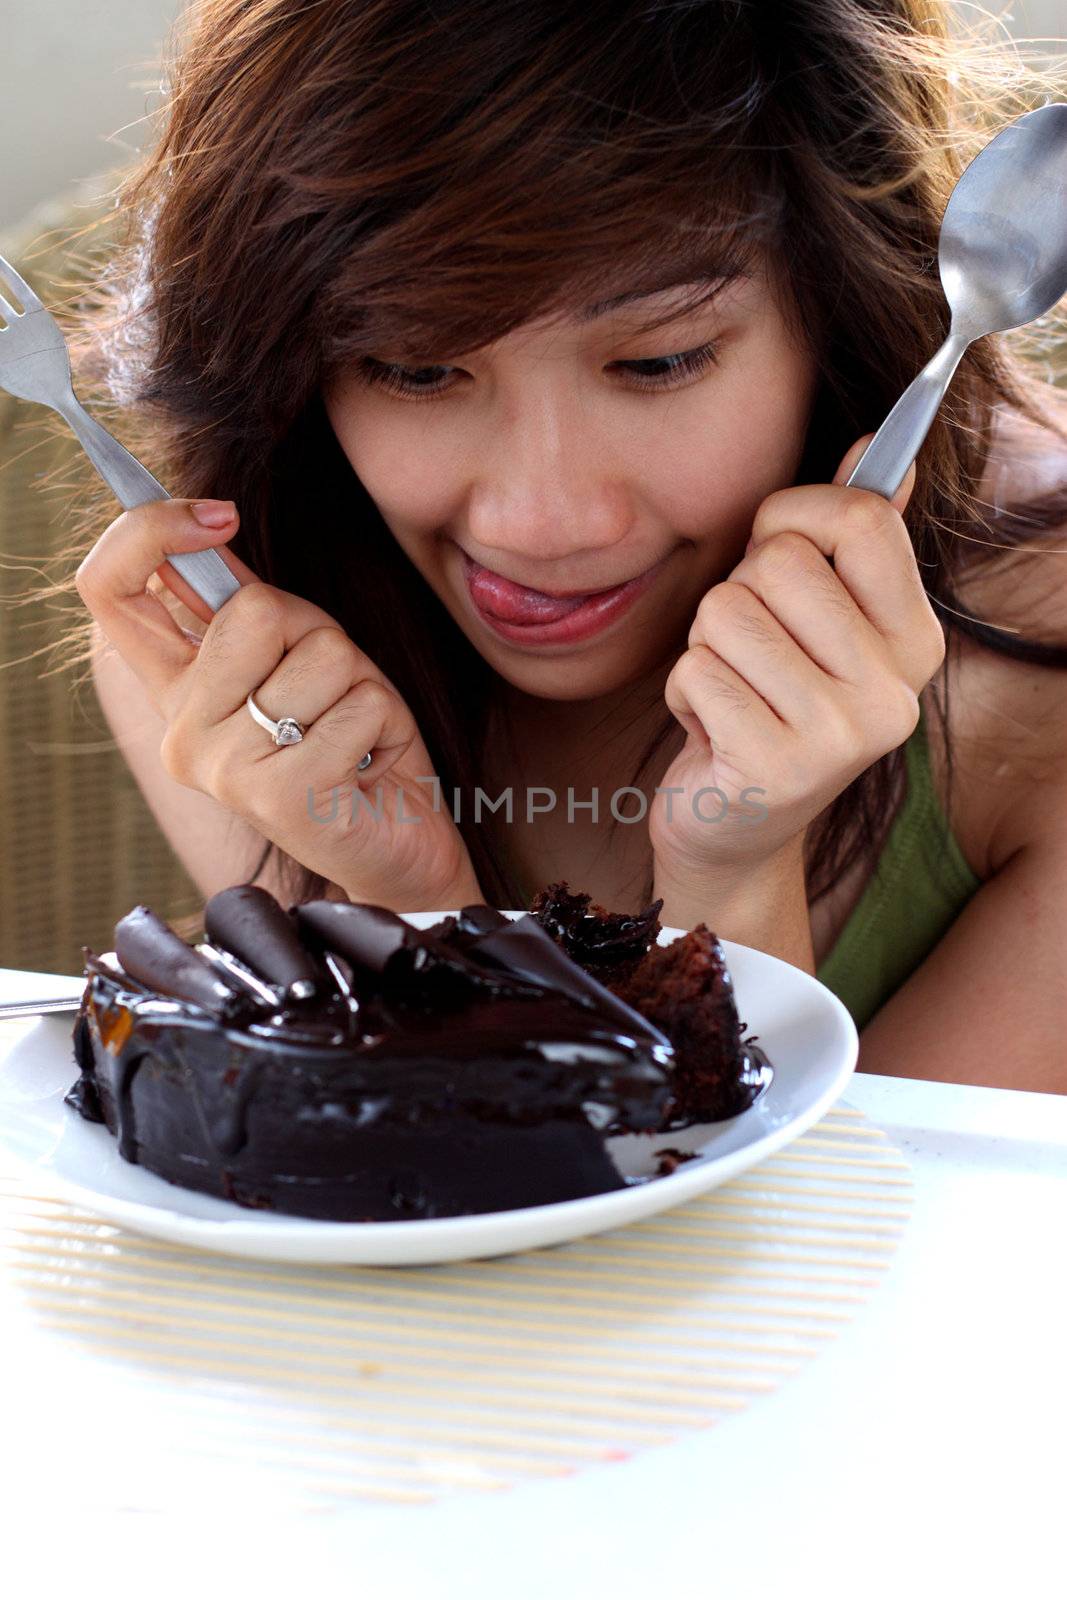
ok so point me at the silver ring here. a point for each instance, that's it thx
(288, 731)
(285, 731)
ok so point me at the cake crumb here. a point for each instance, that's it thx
(669, 1161)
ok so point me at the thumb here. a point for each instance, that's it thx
(216, 522)
(851, 461)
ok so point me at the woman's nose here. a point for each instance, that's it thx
(547, 490)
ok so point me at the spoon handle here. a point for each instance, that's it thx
(884, 464)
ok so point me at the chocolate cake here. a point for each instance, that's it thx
(334, 1062)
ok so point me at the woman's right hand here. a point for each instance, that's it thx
(308, 798)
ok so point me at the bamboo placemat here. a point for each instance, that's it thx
(320, 1384)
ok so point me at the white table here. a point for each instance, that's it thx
(922, 1453)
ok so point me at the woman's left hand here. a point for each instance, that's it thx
(797, 677)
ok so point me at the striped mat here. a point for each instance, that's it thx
(317, 1385)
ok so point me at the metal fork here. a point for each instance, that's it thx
(38, 1008)
(35, 365)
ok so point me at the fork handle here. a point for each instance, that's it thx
(203, 570)
(36, 1008)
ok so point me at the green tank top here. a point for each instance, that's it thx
(920, 884)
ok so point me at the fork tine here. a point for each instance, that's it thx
(7, 313)
(19, 286)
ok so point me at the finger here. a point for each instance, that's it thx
(733, 621)
(339, 697)
(371, 717)
(251, 638)
(851, 461)
(183, 615)
(367, 714)
(797, 587)
(113, 579)
(221, 518)
(870, 548)
(714, 703)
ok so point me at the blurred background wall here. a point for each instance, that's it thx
(76, 75)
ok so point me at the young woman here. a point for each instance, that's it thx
(514, 358)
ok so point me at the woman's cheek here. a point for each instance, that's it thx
(408, 470)
(740, 441)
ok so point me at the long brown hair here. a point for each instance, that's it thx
(332, 177)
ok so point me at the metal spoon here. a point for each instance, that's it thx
(1002, 256)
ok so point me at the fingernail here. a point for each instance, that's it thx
(213, 513)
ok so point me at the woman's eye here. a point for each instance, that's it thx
(413, 383)
(651, 372)
(665, 372)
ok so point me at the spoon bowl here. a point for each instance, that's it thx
(1002, 256)
(1003, 242)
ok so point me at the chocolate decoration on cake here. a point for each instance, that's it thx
(442, 966)
(152, 953)
(241, 976)
(385, 956)
(476, 1066)
(248, 922)
(480, 919)
(367, 936)
(523, 947)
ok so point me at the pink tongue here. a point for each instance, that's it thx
(511, 602)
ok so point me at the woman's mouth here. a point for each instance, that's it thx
(528, 616)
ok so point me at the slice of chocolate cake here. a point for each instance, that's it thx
(684, 987)
(335, 1062)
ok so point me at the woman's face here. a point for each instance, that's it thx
(574, 456)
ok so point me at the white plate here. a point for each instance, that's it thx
(806, 1032)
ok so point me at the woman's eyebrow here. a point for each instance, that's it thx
(719, 279)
